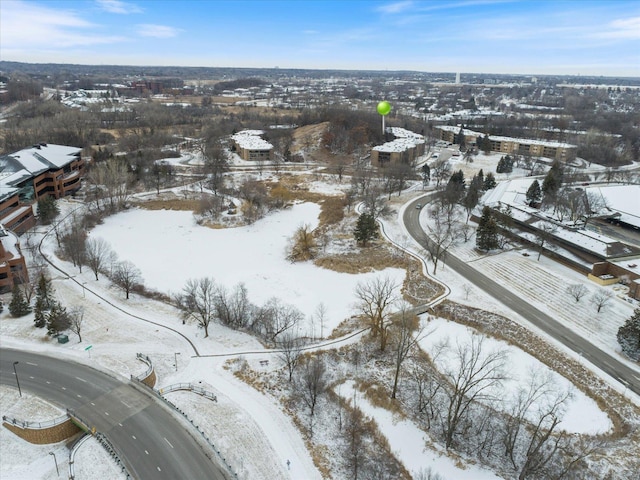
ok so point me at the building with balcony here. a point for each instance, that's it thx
(32, 173)
(12, 265)
(249, 145)
(404, 149)
(508, 145)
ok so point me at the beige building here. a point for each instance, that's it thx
(514, 146)
(250, 146)
(405, 149)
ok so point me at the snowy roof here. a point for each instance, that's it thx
(250, 140)
(44, 157)
(498, 138)
(622, 199)
(405, 140)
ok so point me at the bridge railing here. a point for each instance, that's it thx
(35, 425)
(190, 387)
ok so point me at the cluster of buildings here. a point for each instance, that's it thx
(26, 176)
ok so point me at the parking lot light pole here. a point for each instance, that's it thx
(16, 373)
(175, 359)
(56, 462)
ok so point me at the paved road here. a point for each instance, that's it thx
(152, 443)
(626, 375)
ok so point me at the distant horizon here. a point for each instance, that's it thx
(594, 38)
(228, 67)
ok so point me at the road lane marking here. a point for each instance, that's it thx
(119, 424)
(30, 377)
(64, 388)
(159, 469)
(48, 382)
(146, 452)
(32, 364)
(106, 413)
(125, 404)
(93, 404)
(134, 437)
(81, 379)
(165, 439)
(78, 395)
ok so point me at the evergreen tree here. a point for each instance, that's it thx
(552, 182)
(366, 229)
(485, 144)
(629, 336)
(489, 182)
(44, 292)
(505, 165)
(18, 306)
(39, 319)
(487, 231)
(47, 209)
(534, 193)
(58, 319)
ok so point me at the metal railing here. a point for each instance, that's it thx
(190, 387)
(147, 360)
(35, 425)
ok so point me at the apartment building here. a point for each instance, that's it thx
(249, 145)
(404, 149)
(514, 146)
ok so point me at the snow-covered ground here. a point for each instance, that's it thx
(169, 248)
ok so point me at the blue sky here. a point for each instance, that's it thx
(589, 37)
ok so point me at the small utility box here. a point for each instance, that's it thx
(63, 338)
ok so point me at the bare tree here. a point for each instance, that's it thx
(473, 376)
(321, 316)
(544, 233)
(198, 301)
(440, 171)
(601, 298)
(76, 320)
(127, 276)
(110, 185)
(98, 254)
(233, 308)
(276, 317)
(375, 298)
(290, 350)
(406, 337)
(74, 244)
(577, 291)
(441, 235)
(312, 385)
(354, 433)
(375, 203)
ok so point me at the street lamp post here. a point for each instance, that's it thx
(175, 359)
(56, 462)
(16, 373)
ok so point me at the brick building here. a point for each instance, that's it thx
(12, 265)
(404, 149)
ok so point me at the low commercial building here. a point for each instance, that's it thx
(250, 146)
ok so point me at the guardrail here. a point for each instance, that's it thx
(104, 441)
(111, 450)
(72, 455)
(190, 387)
(35, 425)
(147, 360)
(199, 391)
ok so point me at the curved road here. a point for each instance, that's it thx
(620, 371)
(150, 440)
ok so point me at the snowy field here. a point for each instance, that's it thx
(163, 245)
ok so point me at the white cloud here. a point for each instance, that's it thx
(397, 7)
(117, 6)
(24, 25)
(623, 28)
(158, 31)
